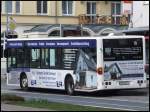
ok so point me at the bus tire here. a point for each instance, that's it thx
(24, 82)
(69, 85)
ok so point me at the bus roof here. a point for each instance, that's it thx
(70, 42)
(78, 38)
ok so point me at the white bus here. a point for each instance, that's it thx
(77, 64)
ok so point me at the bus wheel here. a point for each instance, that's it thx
(69, 86)
(24, 82)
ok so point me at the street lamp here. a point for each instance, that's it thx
(7, 18)
(6, 32)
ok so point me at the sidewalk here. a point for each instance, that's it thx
(8, 107)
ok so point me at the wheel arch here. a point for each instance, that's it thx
(23, 87)
(23, 74)
(66, 77)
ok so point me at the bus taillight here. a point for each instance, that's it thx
(146, 68)
(100, 70)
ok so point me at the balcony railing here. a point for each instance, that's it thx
(106, 19)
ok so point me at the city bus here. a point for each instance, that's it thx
(77, 64)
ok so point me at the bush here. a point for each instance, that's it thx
(11, 97)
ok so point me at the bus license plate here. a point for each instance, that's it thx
(123, 82)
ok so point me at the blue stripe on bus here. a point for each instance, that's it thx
(14, 44)
(20, 69)
(54, 43)
(131, 75)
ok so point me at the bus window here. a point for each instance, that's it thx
(11, 58)
(27, 57)
(52, 58)
(69, 58)
(35, 58)
(123, 49)
(55, 58)
(44, 58)
(20, 58)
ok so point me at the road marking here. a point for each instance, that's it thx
(125, 106)
(133, 101)
(112, 108)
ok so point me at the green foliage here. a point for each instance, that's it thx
(39, 103)
(11, 97)
(42, 103)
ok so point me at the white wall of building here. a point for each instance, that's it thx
(140, 13)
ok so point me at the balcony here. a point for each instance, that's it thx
(105, 19)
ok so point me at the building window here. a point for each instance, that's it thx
(67, 7)
(91, 11)
(91, 8)
(11, 7)
(8, 6)
(42, 7)
(3, 7)
(17, 8)
(116, 12)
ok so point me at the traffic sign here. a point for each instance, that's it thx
(12, 24)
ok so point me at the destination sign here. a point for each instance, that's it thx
(54, 43)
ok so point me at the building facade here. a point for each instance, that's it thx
(48, 18)
(140, 16)
(28, 14)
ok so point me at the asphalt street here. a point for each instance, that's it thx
(133, 100)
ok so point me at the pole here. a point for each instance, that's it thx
(61, 30)
(131, 18)
(5, 33)
(81, 30)
(56, 15)
(4, 43)
(7, 18)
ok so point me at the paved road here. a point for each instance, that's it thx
(125, 99)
